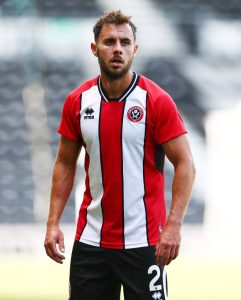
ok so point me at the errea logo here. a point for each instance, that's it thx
(157, 296)
(88, 113)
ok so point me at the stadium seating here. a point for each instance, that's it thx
(166, 72)
(187, 15)
(58, 77)
(229, 9)
(16, 183)
(16, 178)
(70, 8)
(50, 8)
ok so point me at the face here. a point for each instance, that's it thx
(115, 49)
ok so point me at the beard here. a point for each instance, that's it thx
(114, 73)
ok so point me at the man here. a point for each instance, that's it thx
(127, 124)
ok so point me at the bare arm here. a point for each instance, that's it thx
(62, 183)
(178, 152)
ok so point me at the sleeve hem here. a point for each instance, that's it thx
(173, 137)
(73, 139)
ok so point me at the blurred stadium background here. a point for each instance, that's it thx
(192, 48)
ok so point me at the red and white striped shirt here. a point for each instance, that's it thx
(123, 203)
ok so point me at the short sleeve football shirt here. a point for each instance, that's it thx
(123, 203)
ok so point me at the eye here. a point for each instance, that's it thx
(125, 42)
(108, 42)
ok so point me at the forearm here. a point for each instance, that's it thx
(62, 184)
(179, 153)
(181, 191)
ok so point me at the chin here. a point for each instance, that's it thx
(116, 74)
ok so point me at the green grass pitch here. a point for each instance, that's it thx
(38, 278)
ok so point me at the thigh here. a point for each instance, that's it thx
(142, 279)
(90, 275)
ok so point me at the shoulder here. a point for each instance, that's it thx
(76, 93)
(73, 99)
(156, 94)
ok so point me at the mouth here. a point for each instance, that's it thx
(116, 61)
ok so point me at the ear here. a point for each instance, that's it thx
(135, 49)
(94, 48)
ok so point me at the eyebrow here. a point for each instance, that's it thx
(114, 38)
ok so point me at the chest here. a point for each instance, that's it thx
(113, 121)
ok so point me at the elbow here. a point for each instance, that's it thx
(188, 167)
(192, 168)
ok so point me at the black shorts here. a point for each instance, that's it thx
(97, 274)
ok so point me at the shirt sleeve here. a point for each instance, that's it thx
(69, 125)
(168, 122)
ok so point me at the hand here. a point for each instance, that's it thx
(54, 237)
(168, 245)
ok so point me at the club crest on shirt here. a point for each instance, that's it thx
(89, 113)
(135, 113)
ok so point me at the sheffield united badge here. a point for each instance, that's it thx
(135, 113)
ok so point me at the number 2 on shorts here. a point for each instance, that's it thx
(152, 286)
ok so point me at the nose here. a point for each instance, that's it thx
(118, 47)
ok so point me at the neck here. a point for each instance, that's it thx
(116, 87)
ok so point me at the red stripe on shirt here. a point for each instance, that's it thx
(110, 130)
